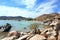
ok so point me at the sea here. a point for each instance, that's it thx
(18, 26)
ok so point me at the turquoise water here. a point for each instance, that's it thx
(18, 25)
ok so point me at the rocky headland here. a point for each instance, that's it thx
(46, 17)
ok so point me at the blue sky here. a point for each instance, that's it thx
(28, 8)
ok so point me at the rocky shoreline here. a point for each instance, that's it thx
(50, 33)
(47, 34)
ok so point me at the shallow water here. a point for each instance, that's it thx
(17, 25)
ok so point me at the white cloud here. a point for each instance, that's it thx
(12, 11)
(29, 3)
(46, 7)
(15, 11)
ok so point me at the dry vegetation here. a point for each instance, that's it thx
(46, 16)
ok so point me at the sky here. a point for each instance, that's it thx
(28, 8)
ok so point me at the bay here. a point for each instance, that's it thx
(18, 25)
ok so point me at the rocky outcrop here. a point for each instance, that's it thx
(5, 28)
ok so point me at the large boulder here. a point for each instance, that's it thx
(14, 33)
(38, 37)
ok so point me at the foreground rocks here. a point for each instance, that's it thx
(50, 33)
(47, 34)
(38, 37)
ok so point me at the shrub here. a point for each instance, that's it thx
(34, 26)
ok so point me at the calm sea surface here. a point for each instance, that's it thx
(17, 25)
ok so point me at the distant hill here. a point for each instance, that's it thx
(14, 18)
(46, 16)
(39, 18)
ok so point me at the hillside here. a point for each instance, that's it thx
(14, 18)
(46, 16)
